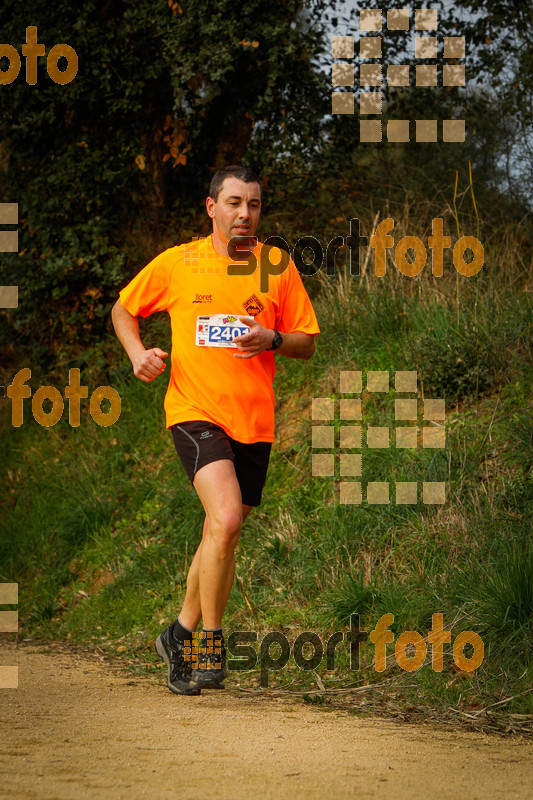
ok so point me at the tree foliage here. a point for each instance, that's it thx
(165, 93)
(497, 100)
(113, 166)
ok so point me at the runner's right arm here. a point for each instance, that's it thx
(147, 364)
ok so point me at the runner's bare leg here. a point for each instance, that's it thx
(220, 494)
(212, 569)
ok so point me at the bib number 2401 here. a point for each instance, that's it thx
(219, 333)
(219, 330)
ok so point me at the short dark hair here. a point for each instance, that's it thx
(234, 171)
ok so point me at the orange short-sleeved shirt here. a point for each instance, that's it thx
(208, 382)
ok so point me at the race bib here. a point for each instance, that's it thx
(219, 330)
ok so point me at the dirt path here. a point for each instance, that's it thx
(76, 728)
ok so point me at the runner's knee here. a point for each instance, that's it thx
(224, 525)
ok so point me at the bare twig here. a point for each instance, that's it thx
(503, 702)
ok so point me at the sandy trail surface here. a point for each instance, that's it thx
(78, 728)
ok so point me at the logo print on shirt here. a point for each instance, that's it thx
(205, 435)
(253, 305)
(203, 298)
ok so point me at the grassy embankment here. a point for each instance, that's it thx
(99, 525)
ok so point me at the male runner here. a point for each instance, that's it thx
(219, 403)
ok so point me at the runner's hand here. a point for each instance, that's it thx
(148, 364)
(255, 341)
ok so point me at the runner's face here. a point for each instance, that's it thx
(236, 211)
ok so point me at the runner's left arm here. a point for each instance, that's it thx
(295, 344)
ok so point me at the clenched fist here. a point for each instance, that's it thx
(148, 364)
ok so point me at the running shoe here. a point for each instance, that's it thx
(211, 669)
(177, 657)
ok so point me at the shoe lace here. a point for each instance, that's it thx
(180, 666)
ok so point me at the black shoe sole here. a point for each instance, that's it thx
(178, 687)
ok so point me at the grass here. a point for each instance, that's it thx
(99, 525)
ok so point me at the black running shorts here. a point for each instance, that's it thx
(199, 442)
